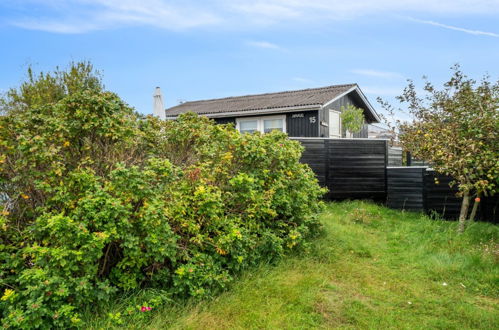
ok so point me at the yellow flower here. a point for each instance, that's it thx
(66, 143)
(180, 271)
(101, 235)
(24, 196)
(200, 190)
(227, 156)
(237, 233)
(7, 294)
(221, 251)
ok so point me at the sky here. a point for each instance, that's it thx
(217, 48)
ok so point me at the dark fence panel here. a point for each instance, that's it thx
(405, 188)
(422, 189)
(489, 209)
(440, 197)
(357, 168)
(349, 168)
(315, 155)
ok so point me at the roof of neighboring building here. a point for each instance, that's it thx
(289, 99)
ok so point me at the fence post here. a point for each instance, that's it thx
(386, 170)
(326, 164)
(424, 175)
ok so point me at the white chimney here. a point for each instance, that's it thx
(158, 107)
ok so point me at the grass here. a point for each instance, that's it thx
(373, 268)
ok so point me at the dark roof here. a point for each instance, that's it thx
(290, 99)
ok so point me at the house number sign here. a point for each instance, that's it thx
(312, 120)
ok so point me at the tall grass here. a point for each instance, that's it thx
(372, 268)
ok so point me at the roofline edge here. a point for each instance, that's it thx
(250, 112)
(357, 89)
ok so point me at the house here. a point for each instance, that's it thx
(313, 112)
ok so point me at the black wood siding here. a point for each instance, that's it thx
(298, 124)
(226, 120)
(363, 133)
(303, 124)
(349, 168)
(337, 105)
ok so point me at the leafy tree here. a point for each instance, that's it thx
(456, 129)
(352, 118)
(46, 88)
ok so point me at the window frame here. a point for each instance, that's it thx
(260, 122)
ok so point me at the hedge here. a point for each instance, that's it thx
(98, 200)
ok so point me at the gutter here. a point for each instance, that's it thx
(255, 112)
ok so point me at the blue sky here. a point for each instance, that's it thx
(216, 48)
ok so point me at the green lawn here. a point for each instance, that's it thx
(373, 268)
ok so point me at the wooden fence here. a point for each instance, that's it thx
(349, 168)
(358, 169)
(422, 189)
(405, 188)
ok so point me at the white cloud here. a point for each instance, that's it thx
(455, 28)
(58, 27)
(78, 16)
(263, 44)
(378, 74)
(278, 10)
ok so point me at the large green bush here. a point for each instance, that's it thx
(96, 200)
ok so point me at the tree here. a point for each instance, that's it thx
(352, 118)
(456, 129)
(48, 88)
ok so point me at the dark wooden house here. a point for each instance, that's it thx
(311, 112)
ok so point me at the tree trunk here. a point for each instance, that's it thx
(474, 209)
(464, 211)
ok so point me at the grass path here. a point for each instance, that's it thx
(373, 268)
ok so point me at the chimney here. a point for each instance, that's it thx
(158, 107)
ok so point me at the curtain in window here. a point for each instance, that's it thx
(272, 124)
(248, 126)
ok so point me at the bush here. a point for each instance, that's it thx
(98, 200)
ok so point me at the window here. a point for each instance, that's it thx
(261, 124)
(248, 126)
(334, 124)
(273, 124)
